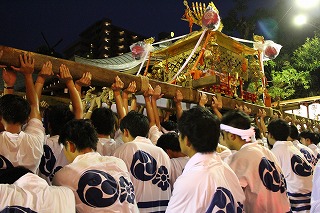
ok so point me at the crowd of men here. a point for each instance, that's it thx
(92, 159)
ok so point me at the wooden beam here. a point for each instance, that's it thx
(105, 77)
(100, 76)
(206, 81)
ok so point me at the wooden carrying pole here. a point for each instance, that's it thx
(100, 76)
(105, 77)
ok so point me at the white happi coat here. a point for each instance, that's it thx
(149, 167)
(316, 150)
(23, 149)
(307, 152)
(207, 184)
(30, 193)
(177, 167)
(298, 174)
(53, 159)
(261, 178)
(315, 196)
(99, 183)
(107, 146)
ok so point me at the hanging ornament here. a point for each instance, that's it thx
(138, 50)
(210, 19)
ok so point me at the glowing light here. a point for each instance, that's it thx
(307, 4)
(300, 20)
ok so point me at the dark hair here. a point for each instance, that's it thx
(103, 120)
(201, 127)
(236, 119)
(310, 135)
(294, 133)
(136, 123)
(55, 117)
(279, 129)
(14, 109)
(81, 133)
(169, 141)
(257, 132)
(169, 125)
(12, 174)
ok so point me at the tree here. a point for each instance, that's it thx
(307, 56)
(287, 82)
(307, 59)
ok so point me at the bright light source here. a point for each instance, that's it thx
(172, 34)
(300, 20)
(307, 4)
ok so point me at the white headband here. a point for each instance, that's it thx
(245, 134)
(166, 131)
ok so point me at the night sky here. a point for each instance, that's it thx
(21, 22)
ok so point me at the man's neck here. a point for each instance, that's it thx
(13, 128)
(86, 150)
(103, 136)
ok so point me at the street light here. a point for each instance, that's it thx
(307, 4)
(304, 4)
(300, 20)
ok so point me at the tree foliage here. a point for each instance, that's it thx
(287, 81)
(307, 56)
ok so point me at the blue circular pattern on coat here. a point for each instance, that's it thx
(300, 166)
(97, 189)
(162, 178)
(17, 209)
(127, 190)
(143, 166)
(5, 163)
(309, 157)
(48, 160)
(223, 202)
(271, 178)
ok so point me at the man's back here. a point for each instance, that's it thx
(307, 152)
(207, 184)
(297, 172)
(177, 167)
(53, 158)
(107, 146)
(100, 183)
(30, 193)
(262, 179)
(23, 149)
(149, 168)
